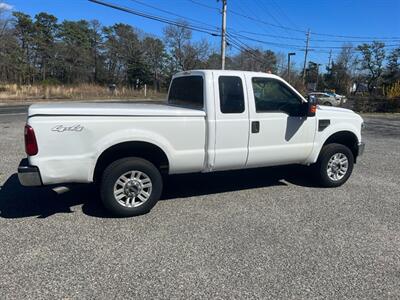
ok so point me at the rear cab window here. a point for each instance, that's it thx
(231, 94)
(187, 91)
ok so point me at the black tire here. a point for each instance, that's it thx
(120, 167)
(327, 152)
(327, 103)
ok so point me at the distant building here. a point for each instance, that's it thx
(359, 87)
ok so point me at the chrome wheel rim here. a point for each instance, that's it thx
(133, 188)
(337, 166)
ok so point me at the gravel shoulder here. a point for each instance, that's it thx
(267, 233)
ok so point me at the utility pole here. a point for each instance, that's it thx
(305, 55)
(223, 35)
(316, 85)
(330, 57)
(288, 64)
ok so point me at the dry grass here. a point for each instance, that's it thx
(14, 92)
(393, 91)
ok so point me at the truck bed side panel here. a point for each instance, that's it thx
(69, 146)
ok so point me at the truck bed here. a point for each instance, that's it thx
(112, 109)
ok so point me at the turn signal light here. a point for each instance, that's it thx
(31, 147)
(313, 109)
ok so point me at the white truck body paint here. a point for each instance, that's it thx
(71, 156)
(341, 119)
(72, 136)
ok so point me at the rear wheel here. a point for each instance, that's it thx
(130, 187)
(334, 165)
(327, 103)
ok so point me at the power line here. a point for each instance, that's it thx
(296, 45)
(312, 39)
(264, 8)
(207, 30)
(282, 13)
(298, 30)
(170, 13)
(281, 45)
(238, 46)
(168, 21)
(156, 18)
(204, 5)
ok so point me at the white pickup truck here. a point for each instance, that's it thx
(213, 121)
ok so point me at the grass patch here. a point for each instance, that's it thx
(13, 92)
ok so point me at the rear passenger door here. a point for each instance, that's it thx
(232, 121)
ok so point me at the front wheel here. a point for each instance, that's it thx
(334, 165)
(130, 187)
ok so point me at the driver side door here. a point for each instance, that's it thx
(280, 132)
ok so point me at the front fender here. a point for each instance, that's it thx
(323, 136)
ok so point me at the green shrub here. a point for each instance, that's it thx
(50, 81)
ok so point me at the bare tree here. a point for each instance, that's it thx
(177, 39)
(392, 73)
(373, 56)
(341, 72)
(255, 60)
(155, 56)
(8, 47)
(4, 19)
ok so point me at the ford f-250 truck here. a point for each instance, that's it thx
(213, 121)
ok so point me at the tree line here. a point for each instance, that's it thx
(368, 67)
(41, 49)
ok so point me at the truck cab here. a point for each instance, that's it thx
(257, 119)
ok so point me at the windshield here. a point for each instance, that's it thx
(187, 91)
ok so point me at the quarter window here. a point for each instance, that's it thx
(231, 95)
(187, 91)
(272, 95)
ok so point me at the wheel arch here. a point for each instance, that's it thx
(142, 149)
(346, 138)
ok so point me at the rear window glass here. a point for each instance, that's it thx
(231, 94)
(187, 91)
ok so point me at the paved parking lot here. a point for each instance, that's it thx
(267, 233)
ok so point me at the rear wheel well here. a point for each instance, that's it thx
(345, 138)
(147, 151)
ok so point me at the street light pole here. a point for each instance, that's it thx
(288, 65)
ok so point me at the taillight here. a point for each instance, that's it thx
(31, 147)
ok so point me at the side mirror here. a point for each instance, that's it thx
(311, 106)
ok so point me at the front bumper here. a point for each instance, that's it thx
(29, 175)
(361, 148)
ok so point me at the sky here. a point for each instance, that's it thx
(278, 25)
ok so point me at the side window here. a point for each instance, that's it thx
(231, 95)
(187, 91)
(271, 95)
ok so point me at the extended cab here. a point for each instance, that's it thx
(213, 121)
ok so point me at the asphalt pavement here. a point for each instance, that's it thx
(266, 233)
(13, 109)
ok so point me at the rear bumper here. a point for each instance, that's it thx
(29, 175)
(361, 148)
